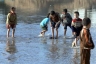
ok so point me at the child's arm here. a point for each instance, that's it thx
(50, 24)
(8, 19)
(93, 46)
(88, 43)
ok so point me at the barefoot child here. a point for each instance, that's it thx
(86, 42)
(76, 27)
(11, 21)
(43, 25)
(54, 23)
(66, 20)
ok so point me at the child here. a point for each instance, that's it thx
(11, 21)
(43, 25)
(66, 20)
(54, 23)
(86, 42)
(76, 27)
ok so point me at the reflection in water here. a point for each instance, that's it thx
(44, 40)
(10, 46)
(76, 56)
(54, 47)
(54, 50)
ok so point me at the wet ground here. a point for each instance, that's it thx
(28, 48)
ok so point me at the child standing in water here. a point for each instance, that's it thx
(54, 23)
(86, 42)
(66, 20)
(44, 26)
(11, 21)
(76, 27)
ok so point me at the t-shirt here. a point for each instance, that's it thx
(11, 18)
(76, 22)
(67, 18)
(44, 22)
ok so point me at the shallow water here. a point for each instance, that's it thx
(28, 48)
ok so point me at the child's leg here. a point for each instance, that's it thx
(65, 29)
(13, 31)
(8, 31)
(45, 28)
(74, 43)
(52, 32)
(56, 32)
(74, 30)
(43, 32)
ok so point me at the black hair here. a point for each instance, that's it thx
(48, 15)
(76, 12)
(12, 8)
(52, 12)
(86, 21)
(65, 10)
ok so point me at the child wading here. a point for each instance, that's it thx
(86, 43)
(66, 20)
(76, 27)
(11, 21)
(44, 26)
(55, 23)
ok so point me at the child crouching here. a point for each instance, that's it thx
(44, 26)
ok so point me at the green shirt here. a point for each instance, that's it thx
(11, 18)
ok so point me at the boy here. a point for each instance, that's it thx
(54, 23)
(66, 20)
(44, 26)
(11, 21)
(76, 27)
(86, 42)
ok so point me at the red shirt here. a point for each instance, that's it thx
(77, 22)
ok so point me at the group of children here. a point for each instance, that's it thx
(65, 18)
(80, 29)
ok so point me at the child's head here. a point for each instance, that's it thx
(52, 13)
(86, 22)
(48, 15)
(76, 14)
(13, 9)
(64, 11)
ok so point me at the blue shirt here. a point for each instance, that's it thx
(44, 22)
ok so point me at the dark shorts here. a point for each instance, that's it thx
(77, 30)
(10, 26)
(65, 25)
(44, 27)
(53, 25)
